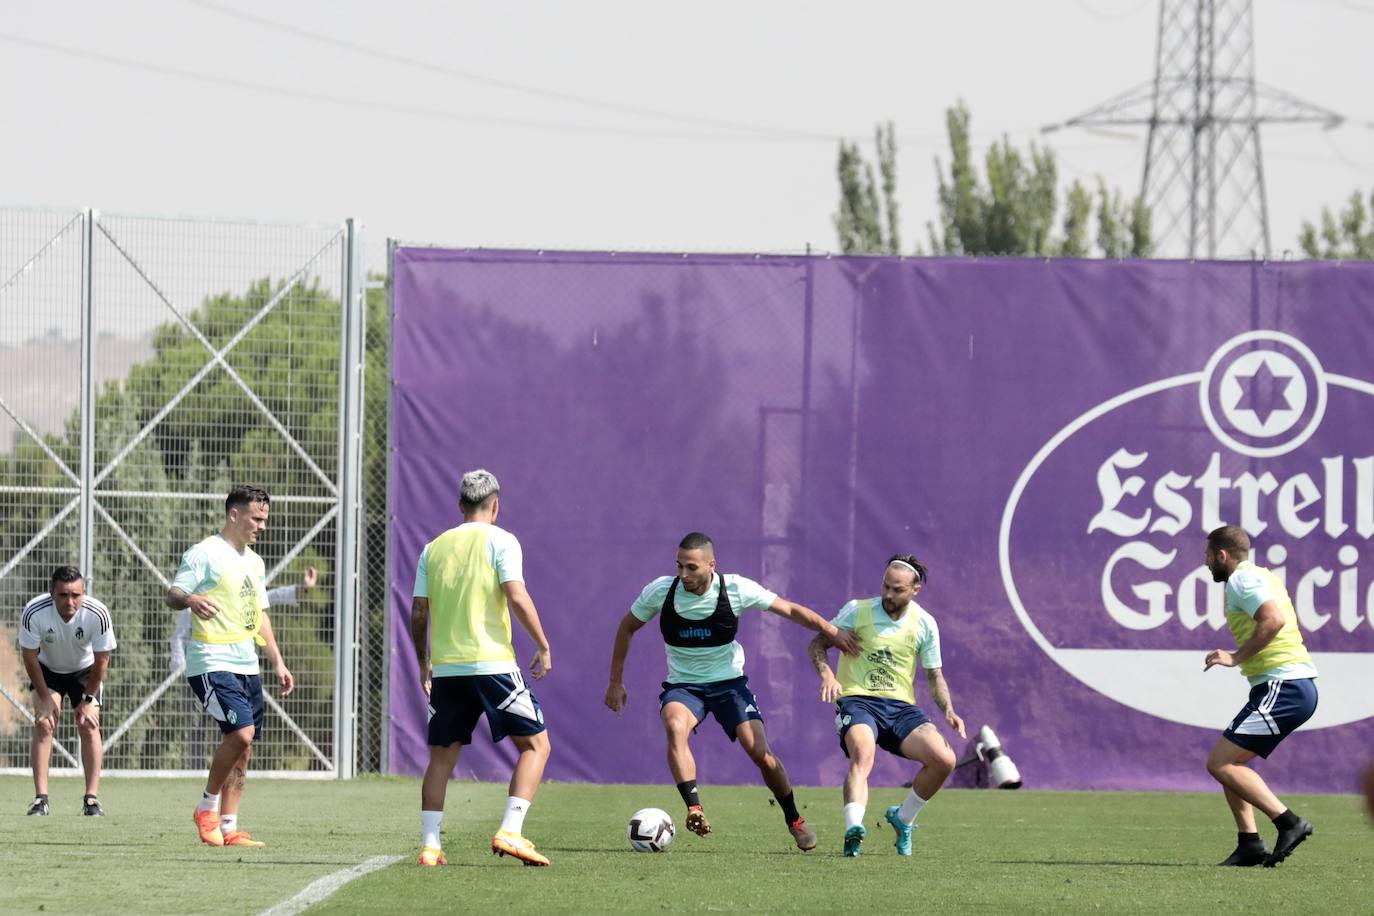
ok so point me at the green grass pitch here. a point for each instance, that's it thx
(976, 851)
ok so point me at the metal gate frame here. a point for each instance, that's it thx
(344, 501)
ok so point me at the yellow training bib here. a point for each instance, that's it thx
(887, 665)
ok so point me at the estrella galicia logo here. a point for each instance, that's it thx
(1102, 538)
(880, 679)
(1263, 394)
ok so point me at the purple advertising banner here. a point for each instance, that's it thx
(1052, 438)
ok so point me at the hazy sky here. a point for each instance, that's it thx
(704, 126)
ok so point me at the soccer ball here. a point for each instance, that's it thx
(651, 830)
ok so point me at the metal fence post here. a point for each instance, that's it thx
(347, 593)
(87, 522)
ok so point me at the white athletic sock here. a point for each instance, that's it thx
(516, 809)
(911, 807)
(853, 815)
(429, 828)
(208, 802)
(228, 822)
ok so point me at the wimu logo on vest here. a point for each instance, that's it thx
(1103, 536)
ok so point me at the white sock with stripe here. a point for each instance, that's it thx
(228, 822)
(208, 802)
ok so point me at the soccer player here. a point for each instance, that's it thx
(197, 745)
(875, 698)
(223, 583)
(66, 638)
(468, 582)
(698, 613)
(1283, 694)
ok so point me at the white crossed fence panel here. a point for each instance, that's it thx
(174, 358)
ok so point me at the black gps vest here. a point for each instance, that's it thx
(717, 630)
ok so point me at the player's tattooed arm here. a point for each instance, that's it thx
(939, 692)
(819, 650)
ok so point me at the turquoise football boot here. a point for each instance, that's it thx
(902, 830)
(854, 841)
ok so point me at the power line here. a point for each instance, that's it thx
(1350, 5)
(781, 133)
(493, 82)
(392, 107)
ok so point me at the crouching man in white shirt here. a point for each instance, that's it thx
(66, 637)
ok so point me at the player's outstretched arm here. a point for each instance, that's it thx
(284, 676)
(939, 691)
(419, 635)
(819, 651)
(844, 640)
(615, 690)
(522, 606)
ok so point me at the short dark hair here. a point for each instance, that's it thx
(915, 564)
(66, 574)
(1230, 538)
(696, 541)
(244, 495)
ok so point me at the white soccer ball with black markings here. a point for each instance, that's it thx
(651, 830)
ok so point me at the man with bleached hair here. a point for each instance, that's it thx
(468, 583)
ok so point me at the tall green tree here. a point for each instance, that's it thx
(868, 222)
(1347, 235)
(1009, 207)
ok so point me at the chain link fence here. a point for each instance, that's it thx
(149, 364)
(372, 592)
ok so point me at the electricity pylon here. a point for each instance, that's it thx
(1204, 173)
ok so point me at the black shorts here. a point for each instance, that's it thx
(456, 703)
(890, 720)
(234, 701)
(731, 702)
(1274, 710)
(72, 686)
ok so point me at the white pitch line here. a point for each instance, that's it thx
(322, 888)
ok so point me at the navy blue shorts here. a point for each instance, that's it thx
(1275, 709)
(72, 686)
(456, 703)
(891, 720)
(234, 701)
(731, 702)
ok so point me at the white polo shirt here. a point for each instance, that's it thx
(66, 646)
